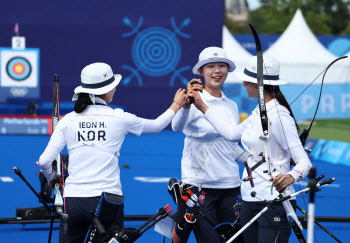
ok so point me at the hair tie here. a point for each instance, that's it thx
(91, 97)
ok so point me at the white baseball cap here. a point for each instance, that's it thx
(210, 55)
(271, 71)
(97, 79)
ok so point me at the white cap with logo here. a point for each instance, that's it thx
(210, 55)
(97, 79)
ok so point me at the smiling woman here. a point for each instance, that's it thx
(282, 144)
(208, 159)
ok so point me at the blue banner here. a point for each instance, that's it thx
(339, 45)
(153, 45)
(248, 43)
(334, 152)
(334, 103)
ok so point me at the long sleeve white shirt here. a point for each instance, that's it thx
(94, 139)
(208, 157)
(284, 143)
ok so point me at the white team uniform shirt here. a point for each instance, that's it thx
(208, 158)
(94, 139)
(284, 143)
(281, 140)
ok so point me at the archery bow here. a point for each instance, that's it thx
(59, 203)
(262, 106)
(56, 114)
(305, 133)
(292, 218)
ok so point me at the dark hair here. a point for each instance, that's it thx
(82, 102)
(281, 99)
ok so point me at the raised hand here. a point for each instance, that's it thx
(180, 97)
(198, 102)
(179, 100)
(195, 85)
(55, 179)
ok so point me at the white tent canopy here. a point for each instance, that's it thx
(302, 57)
(235, 52)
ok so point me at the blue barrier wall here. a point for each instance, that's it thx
(334, 152)
(153, 44)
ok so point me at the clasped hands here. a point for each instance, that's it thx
(193, 97)
(185, 99)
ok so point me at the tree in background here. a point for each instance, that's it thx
(334, 16)
(326, 17)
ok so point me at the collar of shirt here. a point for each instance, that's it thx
(271, 104)
(209, 97)
(100, 101)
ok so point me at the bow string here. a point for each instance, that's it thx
(305, 133)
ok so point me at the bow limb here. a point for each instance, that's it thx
(305, 133)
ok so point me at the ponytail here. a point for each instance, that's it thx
(82, 102)
(281, 99)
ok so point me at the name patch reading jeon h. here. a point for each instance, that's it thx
(91, 131)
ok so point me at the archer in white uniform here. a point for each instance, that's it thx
(285, 144)
(208, 158)
(94, 134)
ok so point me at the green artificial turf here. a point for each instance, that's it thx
(338, 130)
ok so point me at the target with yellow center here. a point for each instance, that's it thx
(18, 68)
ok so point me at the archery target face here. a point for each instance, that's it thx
(19, 68)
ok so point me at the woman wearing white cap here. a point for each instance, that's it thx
(94, 134)
(208, 158)
(285, 144)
